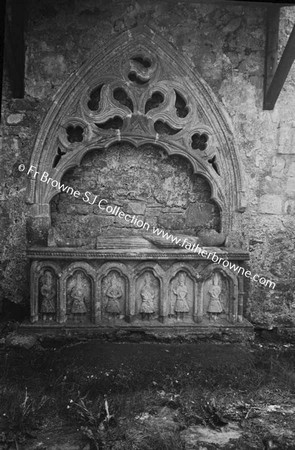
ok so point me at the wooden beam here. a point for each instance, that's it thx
(15, 46)
(253, 3)
(275, 82)
(271, 44)
(2, 38)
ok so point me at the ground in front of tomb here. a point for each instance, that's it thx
(61, 394)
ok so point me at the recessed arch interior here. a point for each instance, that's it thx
(158, 188)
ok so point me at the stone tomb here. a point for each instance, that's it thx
(135, 126)
(146, 287)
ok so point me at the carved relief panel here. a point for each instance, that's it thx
(147, 296)
(168, 293)
(113, 293)
(47, 295)
(78, 297)
(181, 297)
(216, 296)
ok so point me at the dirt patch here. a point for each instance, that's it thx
(96, 395)
(201, 435)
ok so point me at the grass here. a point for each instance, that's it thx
(21, 414)
(116, 394)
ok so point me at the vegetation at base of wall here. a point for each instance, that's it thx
(129, 396)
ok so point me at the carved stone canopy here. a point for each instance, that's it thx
(138, 90)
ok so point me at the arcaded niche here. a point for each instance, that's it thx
(134, 171)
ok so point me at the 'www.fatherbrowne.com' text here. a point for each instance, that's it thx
(103, 204)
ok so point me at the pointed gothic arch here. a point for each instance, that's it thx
(139, 90)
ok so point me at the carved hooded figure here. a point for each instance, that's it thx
(48, 293)
(214, 306)
(148, 294)
(181, 292)
(78, 297)
(113, 293)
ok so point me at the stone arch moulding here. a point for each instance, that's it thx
(139, 90)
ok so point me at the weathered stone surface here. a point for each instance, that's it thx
(136, 208)
(14, 119)
(289, 207)
(197, 435)
(18, 340)
(271, 204)
(139, 192)
(174, 221)
(291, 169)
(290, 188)
(286, 136)
(278, 167)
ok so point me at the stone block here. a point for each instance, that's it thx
(136, 208)
(291, 169)
(70, 209)
(232, 25)
(272, 185)
(278, 167)
(289, 207)
(37, 230)
(154, 211)
(24, 341)
(122, 222)
(14, 119)
(171, 221)
(286, 138)
(270, 204)
(151, 220)
(199, 214)
(23, 104)
(84, 209)
(290, 188)
(54, 65)
(99, 222)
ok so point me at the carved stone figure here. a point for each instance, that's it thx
(78, 298)
(148, 295)
(181, 306)
(215, 307)
(114, 293)
(48, 294)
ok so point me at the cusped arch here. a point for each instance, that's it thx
(197, 165)
(181, 266)
(105, 102)
(149, 265)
